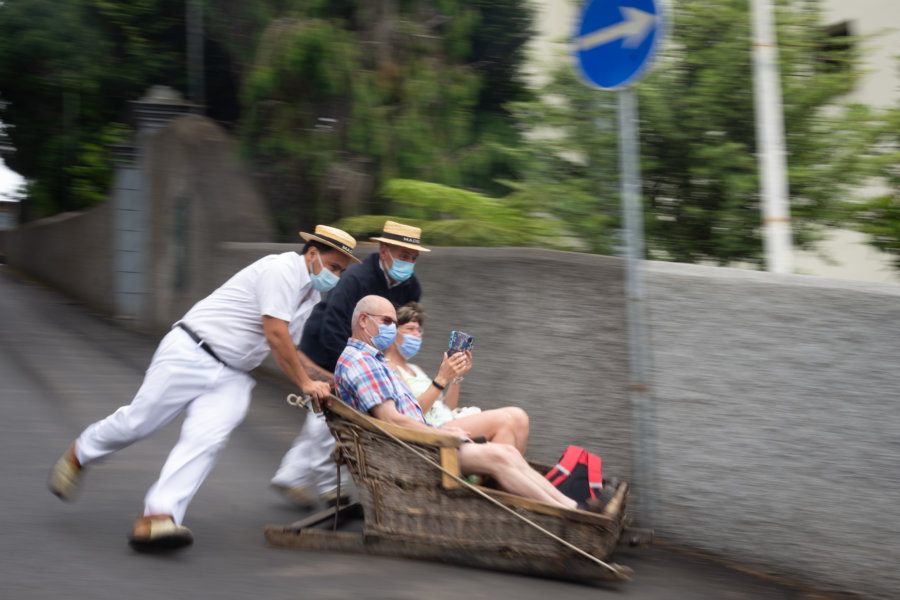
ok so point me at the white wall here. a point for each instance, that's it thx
(880, 19)
(846, 255)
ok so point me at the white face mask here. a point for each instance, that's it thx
(325, 280)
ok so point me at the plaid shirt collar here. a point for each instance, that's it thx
(367, 348)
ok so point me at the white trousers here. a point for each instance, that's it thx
(181, 377)
(308, 462)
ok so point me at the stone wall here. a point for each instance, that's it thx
(70, 251)
(778, 402)
(199, 196)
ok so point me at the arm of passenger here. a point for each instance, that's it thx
(451, 397)
(387, 411)
(451, 368)
(286, 355)
(427, 398)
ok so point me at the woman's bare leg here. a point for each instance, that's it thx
(507, 425)
(509, 468)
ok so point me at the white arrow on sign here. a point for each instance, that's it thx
(635, 27)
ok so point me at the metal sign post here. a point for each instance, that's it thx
(612, 48)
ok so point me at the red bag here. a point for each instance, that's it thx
(577, 474)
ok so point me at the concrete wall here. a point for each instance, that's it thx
(9, 216)
(200, 195)
(777, 405)
(70, 251)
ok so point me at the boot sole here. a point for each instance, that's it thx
(163, 543)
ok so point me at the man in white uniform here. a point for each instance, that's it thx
(201, 367)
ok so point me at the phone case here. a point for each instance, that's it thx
(459, 341)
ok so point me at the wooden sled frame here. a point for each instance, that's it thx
(415, 504)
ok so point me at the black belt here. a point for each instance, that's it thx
(206, 347)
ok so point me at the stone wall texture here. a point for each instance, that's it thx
(70, 251)
(777, 405)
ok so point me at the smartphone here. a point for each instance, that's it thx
(459, 341)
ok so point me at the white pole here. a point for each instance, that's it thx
(770, 141)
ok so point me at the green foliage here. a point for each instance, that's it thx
(380, 89)
(498, 46)
(92, 174)
(570, 159)
(386, 90)
(879, 217)
(68, 70)
(454, 217)
(698, 139)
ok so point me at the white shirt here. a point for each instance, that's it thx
(230, 319)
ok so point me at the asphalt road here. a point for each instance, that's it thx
(62, 367)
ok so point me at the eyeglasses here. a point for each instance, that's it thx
(386, 320)
(411, 327)
(405, 255)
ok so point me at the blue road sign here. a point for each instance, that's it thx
(616, 41)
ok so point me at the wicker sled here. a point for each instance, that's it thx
(416, 505)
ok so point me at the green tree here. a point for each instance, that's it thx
(879, 217)
(698, 141)
(68, 72)
(365, 92)
(333, 95)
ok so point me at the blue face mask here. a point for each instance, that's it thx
(325, 280)
(401, 270)
(410, 345)
(386, 336)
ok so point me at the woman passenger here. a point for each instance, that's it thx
(439, 397)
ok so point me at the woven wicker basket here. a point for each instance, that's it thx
(407, 498)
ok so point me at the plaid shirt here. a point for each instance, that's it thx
(363, 380)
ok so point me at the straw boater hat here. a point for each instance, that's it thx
(398, 234)
(334, 237)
